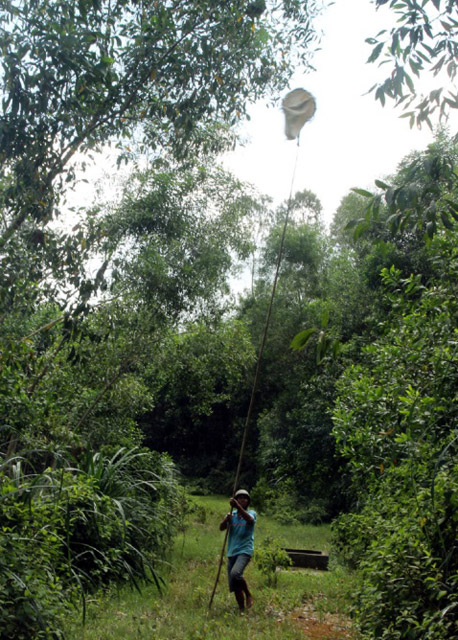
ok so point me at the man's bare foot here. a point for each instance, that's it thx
(249, 601)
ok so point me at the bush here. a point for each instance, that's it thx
(404, 543)
(106, 520)
(315, 513)
(396, 422)
(263, 495)
(33, 594)
(269, 556)
(284, 504)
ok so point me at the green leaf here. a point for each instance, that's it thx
(336, 348)
(263, 35)
(360, 230)
(431, 229)
(352, 223)
(301, 339)
(452, 204)
(409, 82)
(325, 319)
(321, 347)
(448, 224)
(375, 52)
(363, 192)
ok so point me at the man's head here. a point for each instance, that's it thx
(242, 496)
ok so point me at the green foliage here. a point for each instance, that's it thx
(203, 372)
(395, 422)
(420, 201)
(167, 251)
(181, 613)
(34, 576)
(77, 75)
(286, 504)
(296, 447)
(303, 254)
(108, 520)
(423, 40)
(269, 557)
(404, 542)
(322, 292)
(352, 207)
(405, 394)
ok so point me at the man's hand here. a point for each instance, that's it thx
(225, 522)
(243, 512)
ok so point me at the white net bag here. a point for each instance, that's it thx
(298, 106)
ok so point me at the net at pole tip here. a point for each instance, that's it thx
(299, 107)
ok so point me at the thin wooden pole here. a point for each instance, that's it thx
(258, 369)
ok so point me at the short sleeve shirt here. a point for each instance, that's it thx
(241, 535)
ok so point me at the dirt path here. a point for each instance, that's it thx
(324, 626)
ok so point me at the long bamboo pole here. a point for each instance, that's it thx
(258, 368)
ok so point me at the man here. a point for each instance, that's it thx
(240, 545)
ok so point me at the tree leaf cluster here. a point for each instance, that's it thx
(424, 39)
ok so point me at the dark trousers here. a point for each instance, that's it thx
(235, 568)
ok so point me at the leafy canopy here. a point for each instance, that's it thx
(78, 74)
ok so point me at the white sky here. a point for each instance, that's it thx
(352, 140)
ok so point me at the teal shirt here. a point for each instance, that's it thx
(241, 535)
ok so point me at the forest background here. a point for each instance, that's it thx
(124, 358)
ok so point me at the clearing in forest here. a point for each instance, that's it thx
(304, 603)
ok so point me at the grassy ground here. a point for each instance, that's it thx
(304, 604)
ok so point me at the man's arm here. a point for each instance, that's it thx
(245, 515)
(224, 523)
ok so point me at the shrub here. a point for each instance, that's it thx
(396, 422)
(314, 513)
(263, 495)
(33, 593)
(283, 503)
(106, 520)
(404, 542)
(269, 556)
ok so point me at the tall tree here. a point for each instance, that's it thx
(75, 75)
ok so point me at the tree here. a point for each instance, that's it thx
(395, 421)
(295, 454)
(304, 208)
(351, 207)
(197, 413)
(175, 236)
(76, 75)
(418, 201)
(395, 416)
(78, 371)
(169, 243)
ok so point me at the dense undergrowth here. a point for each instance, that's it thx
(68, 531)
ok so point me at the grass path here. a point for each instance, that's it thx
(304, 604)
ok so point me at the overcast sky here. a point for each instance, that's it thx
(352, 139)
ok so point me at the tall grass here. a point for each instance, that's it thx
(107, 519)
